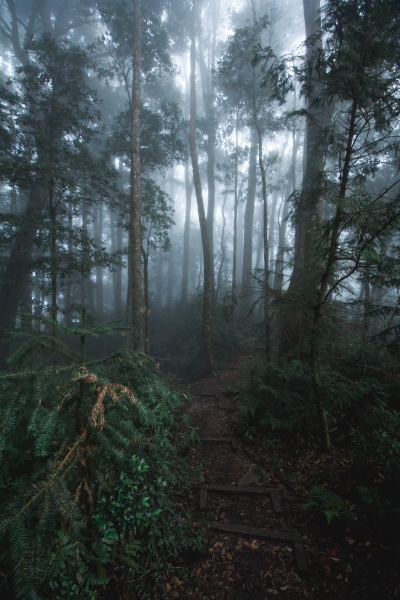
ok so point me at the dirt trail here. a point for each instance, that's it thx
(236, 567)
(349, 559)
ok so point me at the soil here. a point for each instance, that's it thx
(354, 557)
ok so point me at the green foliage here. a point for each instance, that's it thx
(375, 436)
(88, 464)
(331, 505)
(279, 396)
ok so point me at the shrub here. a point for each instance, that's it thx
(88, 466)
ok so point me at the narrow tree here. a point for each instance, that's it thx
(207, 258)
(135, 241)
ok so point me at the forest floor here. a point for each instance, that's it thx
(353, 557)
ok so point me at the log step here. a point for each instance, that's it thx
(210, 440)
(237, 489)
(266, 534)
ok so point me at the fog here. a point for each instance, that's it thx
(96, 219)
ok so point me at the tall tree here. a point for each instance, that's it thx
(208, 86)
(207, 257)
(135, 239)
(248, 224)
(358, 67)
(308, 213)
(52, 163)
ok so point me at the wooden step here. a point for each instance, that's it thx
(295, 538)
(239, 489)
(212, 440)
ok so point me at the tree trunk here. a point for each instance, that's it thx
(235, 215)
(159, 278)
(265, 231)
(308, 215)
(146, 298)
(248, 224)
(18, 269)
(208, 279)
(186, 237)
(86, 282)
(53, 260)
(99, 269)
(68, 285)
(321, 296)
(223, 247)
(171, 278)
(290, 188)
(272, 224)
(208, 86)
(135, 188)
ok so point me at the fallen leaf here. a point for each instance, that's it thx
(254, 545)
(199, 571)
(351, 542)
(228, 555)
(271, 591)
(368, 543)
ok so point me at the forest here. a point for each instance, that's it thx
(199, 292)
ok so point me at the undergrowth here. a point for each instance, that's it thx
(278, 397)
(88, 470)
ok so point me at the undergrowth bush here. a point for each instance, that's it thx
(88, 466)
(278, 396)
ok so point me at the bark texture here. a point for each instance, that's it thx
(135, 188)
(208, 279)
(248, 224)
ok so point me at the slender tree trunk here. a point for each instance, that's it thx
(18, 269)
(159, 280)
(146, 298)
(171, 277)
(135, 188)
(259, 238)
(207, 78)
(235, 214)
(53, 260)
(240, 234)
(324, 280)
(200, 274)
(99, 269)
(265, 232)
(86, 282)
(208, 279)
(188, 207)
(223, 247)
(186, 236)
(68, 285)
(290, 188)
(271, 232)
(248, 224)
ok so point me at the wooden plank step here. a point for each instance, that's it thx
(212, 440)
(267, 534)
(239, 489)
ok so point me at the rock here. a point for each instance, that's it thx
(248, 479)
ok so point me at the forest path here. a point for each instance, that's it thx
(353, 558)
(237, 567)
